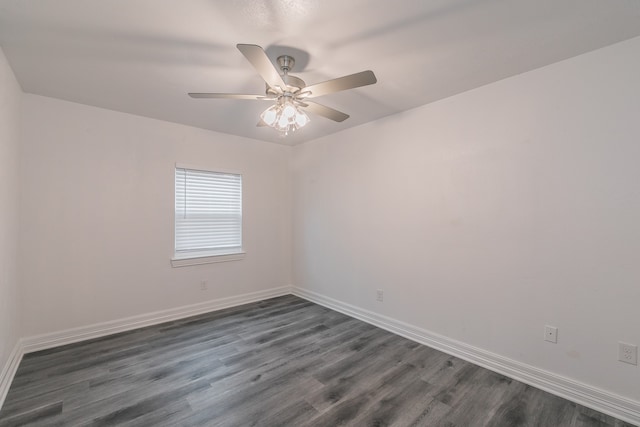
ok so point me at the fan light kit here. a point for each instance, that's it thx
(284, 116)
(290, 95)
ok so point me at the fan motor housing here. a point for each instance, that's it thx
(294, 84)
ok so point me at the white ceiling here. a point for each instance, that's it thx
(143, 56)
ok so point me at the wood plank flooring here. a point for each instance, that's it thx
(279, 362)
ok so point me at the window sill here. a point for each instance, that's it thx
(184, 260)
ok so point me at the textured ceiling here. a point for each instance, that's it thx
(143, 56)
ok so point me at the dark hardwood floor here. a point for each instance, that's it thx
(279, 362)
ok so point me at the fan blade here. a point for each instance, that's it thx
(261, 123)
(260, 61)
(324, 111)
(231, 96)
(363, 78)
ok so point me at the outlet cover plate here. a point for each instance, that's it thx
(628, 353)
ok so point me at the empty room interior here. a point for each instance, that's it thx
(319, 213)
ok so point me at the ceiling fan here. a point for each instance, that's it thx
(291, 94)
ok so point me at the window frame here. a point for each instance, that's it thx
(197, 257)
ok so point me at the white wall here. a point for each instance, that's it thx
(487, 215)
(10, 98)
(483, 217)
(97, 215)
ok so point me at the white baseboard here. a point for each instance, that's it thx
(617, 406)
(9, 370)
(69, 336)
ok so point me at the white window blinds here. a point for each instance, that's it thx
(208, 212)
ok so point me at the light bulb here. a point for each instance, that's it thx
(269, 115)
(289, 110)
(283, 122)
(301, 118)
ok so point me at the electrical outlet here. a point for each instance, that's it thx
(379, 295)
(551, 334)
(628, 353)
(203, 285)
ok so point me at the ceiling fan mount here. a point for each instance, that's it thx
(286, 63)
(291, 94)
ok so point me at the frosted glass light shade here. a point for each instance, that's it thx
(270, 115)
(301, 118)
(289, 110)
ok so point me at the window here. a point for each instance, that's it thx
(208, 215)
